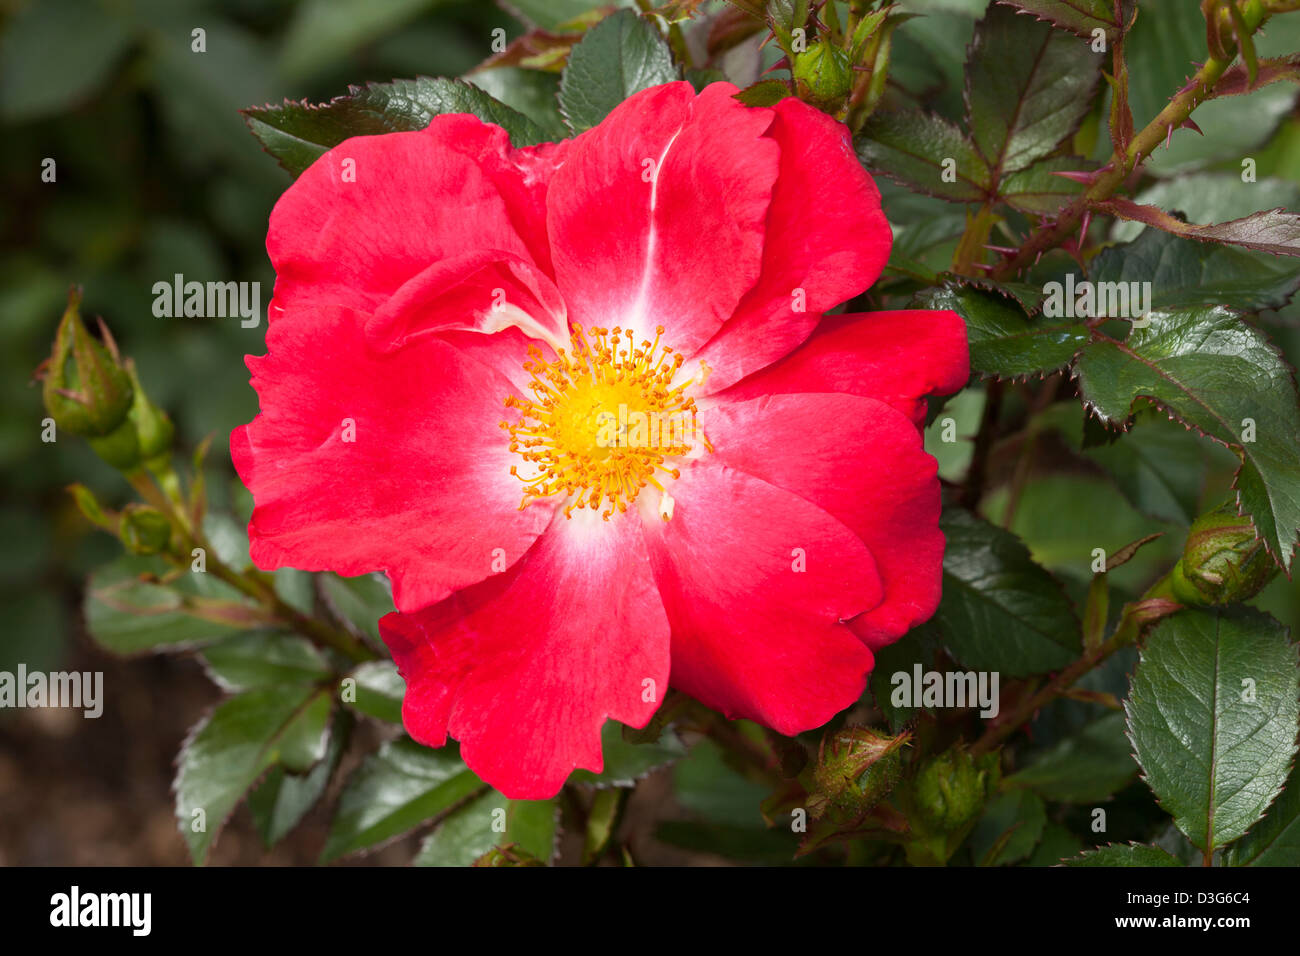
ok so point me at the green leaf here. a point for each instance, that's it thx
(282, 799)
(1080, 16)
(1038, 190)
(1087, 767)
(621, 55)
(921, 645)
(361, 601)
(1186, 273)
(126, 614)
(707, 785)
(532, 92)
(923, 152)
(394, 791)
(1221, 376)
(626, 763)
(489, 821)
(379, 691)
(263, 660)
(230, 749)
(1004, 341)
(55, 54)
(1119, 854)
(1275, 840)
(1212, 714)
(1274, 231)
(1027, 88)
(1157, 466)
(1000, 611)
(1009, 829)
(1057, 844)
(297, 134)
(1211, 197)
(602, 820)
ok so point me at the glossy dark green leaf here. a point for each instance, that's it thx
(489, 821)
(297, 134)
(535, 93)
(394, 791)
(1275, 840)
(1028, 87)
(230, 749)
(626, 763)
(1080, 16)
(1087, 767)
(1004, 341)
(378, 690)
(926, 153)
(1185, 273)
(1000, 611)
(265, 659)
(1119, 854)
(621, 55)
(1212, 714)
(280, 801)
(1221, 376)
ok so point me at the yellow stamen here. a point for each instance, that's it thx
(603, 421)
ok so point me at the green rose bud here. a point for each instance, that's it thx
(152, 425)
(144, 530)
(950, 789)
(86, 389)
(823, 76)
(1223, 561)
(120, 447)
(855, 769)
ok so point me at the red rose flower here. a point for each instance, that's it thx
(580, 403)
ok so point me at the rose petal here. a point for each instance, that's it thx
(657, 214)
(826, 240)
(754, 636)
(375, 211)
(896, 357)
(525, 668)
(423, 492)
(861, 461)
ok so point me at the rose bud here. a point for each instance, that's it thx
(86, 389)
(1223, 561)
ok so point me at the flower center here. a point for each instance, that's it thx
(603, 421)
